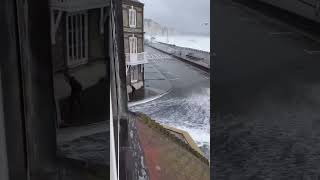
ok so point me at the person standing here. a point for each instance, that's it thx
(133, 91)
(75, 96)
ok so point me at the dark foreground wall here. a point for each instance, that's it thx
(13, 160)
(27, 88)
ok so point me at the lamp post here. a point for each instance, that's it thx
(167, 35)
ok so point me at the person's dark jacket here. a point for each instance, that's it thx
(76, 87)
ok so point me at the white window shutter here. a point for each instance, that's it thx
(132, 17)
(135, 45)
(135, 18)
(130, 44)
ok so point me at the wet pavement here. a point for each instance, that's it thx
(141, 94)
(267, 98)
(91, 149)
(156, 84)
(187, 105)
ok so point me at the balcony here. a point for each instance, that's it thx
(78, 5)
(136, 58)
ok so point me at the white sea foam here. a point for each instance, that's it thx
(190, 41)
(191, 114)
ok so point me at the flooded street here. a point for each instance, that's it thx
(187, 105)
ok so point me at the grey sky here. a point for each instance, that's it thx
(183, 15)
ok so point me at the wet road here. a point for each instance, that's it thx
(187, 105)
(267, 98)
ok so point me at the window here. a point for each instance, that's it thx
(141, 68)
(134, 74)
(133, 45)
(127, 69)
(140, 72)
(132, 17)
(77, 38)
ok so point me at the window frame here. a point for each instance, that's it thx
(134, 77)
(132, 17)
(133, 44)
(77, 38)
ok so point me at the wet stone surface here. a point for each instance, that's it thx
(92, 149)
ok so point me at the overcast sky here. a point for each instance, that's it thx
(183, 15)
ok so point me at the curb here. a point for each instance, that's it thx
(152, 98)
(148, 99)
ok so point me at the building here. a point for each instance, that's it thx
(79, 50)
(77, 29)
(152, 28)
(34, 55)
(133, 34)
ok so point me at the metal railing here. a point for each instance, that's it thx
(198, 57)
(184, 48)
(183, 52)
(136, 58)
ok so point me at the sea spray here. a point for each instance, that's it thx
(190, 113)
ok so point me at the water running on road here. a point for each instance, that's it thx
(190, 114)
(187, 106)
